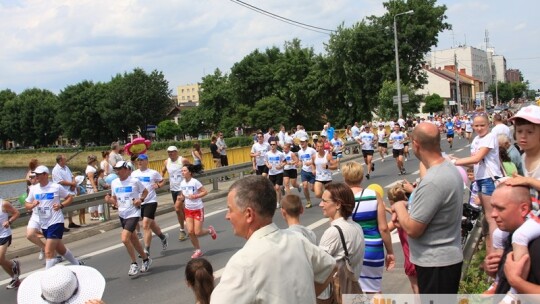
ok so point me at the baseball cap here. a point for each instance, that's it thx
(530, 113)
(41, 169)
(121, 164)
(172, 148)
(314, 136)
(142, 157)
(303, 138)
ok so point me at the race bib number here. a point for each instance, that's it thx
(124, 201)
(44, 212)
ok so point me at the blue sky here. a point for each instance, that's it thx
(50, 44)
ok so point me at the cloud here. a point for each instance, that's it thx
(520, 26)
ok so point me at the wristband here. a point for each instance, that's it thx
(327, 166)
(61, 206)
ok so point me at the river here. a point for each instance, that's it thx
(12, 190)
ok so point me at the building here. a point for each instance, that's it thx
(188, 93)
(476, 62)
(513, 75)
(498, 63)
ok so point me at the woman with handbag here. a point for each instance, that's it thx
(343, 240)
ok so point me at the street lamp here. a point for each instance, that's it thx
(397, 62)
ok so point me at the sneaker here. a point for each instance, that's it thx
(59, 259)
(367, 176)
(101, 219)
(41, 255)
(140, 235)
(16, 268)
(81, 263)
(73, 225)
(212, 232)
(197, 254)
(14, 283)
(133, 269)
(308, 204)
(299, 189)
(146, 265)
(182, 236)
(405, 158)
(66, 229)
(165, 241)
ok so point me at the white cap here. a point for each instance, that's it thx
(121, 164)
(79, 179)
(314, 136)
(172, 148)
(303, 138)
(41, 169)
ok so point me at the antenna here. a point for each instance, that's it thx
(486, 39)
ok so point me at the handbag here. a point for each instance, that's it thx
(344, 281)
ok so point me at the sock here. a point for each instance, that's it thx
(145, 260)
(181, 229)
(69, 256)
(147, 249)
(49, 263)
(161, 236)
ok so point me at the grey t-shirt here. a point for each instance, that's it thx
(310, 235)
(438, 202)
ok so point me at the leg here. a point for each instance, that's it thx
(368, 162)
(32, 236)
(135, 244)
(278, 192)
(6, 264)
(179, 208)
(127, 240)
(192, 233)
(319, 189)
(485, 200)
(399, 160)
(147, 231)
(286, 185)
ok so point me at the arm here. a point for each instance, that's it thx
(518, 180)
(14, 214)
(201, 192)
(413, 228)
(67, 201)
(320, 287)
(90, 177)
(473, 159)
(385, 234)
(332, 164)
(515, 272)
(164, 170)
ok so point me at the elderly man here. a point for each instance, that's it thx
(63, 176)
(510, 205)
(275, 265)
(433, 222)
(513, 153)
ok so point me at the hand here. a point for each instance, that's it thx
(516, 270)
(155, 186)
(517, 180)
(390, 262)
(137, 202)
(57, 207)
(491, 263)
(408, 187)
(5, 224)
(35, 204)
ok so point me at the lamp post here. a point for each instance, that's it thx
(397, 62)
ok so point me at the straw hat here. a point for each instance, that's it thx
(62, 284)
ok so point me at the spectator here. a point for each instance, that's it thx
(200, 278)
(222, 148)
(512, 151)
(214, 149)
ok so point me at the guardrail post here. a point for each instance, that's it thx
(215, 184)
(107, 211)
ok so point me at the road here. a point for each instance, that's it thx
(165, 283)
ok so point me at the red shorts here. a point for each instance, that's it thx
(197, 215)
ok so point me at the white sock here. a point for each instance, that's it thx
(50, 263)
(69, 256)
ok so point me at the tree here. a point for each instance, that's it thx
(387, 109)
(504, 91)
(167, 129)
(434, 103)
(216, 98)
(191, 122)
(5, 96)
(269, 112)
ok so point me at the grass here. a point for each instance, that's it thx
(476, 280)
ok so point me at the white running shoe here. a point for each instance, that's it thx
(146, 265)
(165, 242)
(133, 269)
(41, 255)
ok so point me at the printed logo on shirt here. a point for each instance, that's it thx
(44, 196)
(144, 179)
(127, 189)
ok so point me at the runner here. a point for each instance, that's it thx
(173, 165)
(258, 152)
(322, 164)
(289, 171)
(367, 140)
(449, 127)
(459, 130)
(382, 140)
(192, 192)
(406, 154)
(8, 214)
(396, 139)
(468, 129)
(151, 180)
(305, 156)
(275, 161)
(337, 152)
(128, 193)
(46, 197)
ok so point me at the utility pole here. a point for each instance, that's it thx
(458, 95)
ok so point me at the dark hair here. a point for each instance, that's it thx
(106, 153)
(32, 165)
(503, 154)
(200, 277)
(256, 192)
(342, 194)
(59, 158)
(213, 138)
(197, 148)
(134, 157)
(191, 168)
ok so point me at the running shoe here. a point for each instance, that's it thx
(299, 189)
(182, 236)
(16, 268)
(197, 254)
(101, 219)
(14, 283)
(41, 255)
(367, 176)
(165, 241)
(81, 263)
(278, 205)
(212, 232)
(372, 167)
(146, 265)
(59, 259)
(133, 269)
(308, 204)
(139, 235)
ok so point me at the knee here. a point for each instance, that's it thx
(146, 225)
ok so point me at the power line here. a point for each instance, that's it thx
(283, 19)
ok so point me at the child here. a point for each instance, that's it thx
(474, 200)
(200, 278)
(396, 194)
(291, 209)
(101, 185)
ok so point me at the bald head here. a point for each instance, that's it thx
(513, 194)
(427, 136)
(510, 206)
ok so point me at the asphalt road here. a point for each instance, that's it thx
(165, 283)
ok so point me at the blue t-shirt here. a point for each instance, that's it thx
(330, 133)
(449, 128)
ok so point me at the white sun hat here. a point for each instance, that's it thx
(62, 284)
(79, 179)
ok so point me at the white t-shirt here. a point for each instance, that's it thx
(126, 192)
(401, 122)
(47, 196)
(189, 188)
(502, 129)
(90, 169)
(490, 165)
(62, 174)
(261, 149)
(148, 178)
(305, 156)
(274, 159)
(355, 131)
(381, 135)
(468, 125)
(174, 168)
(367, 140)
(337, 143)
(398, 139)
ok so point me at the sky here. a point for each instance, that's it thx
(50, 44)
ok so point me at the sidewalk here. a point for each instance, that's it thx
(20, 246)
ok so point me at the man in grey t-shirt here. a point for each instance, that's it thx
(433, 222)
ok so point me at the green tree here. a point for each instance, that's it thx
(167, 129)
(269, 112)
(434, 103)
(5, 96)
(504, 90)
(216, 98)
(387, 109)
(191, 122)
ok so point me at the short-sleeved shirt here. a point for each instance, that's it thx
(490, 165)
(337, 143)
(148, 178)
(398, 139)
(62, 174)
(438, 203)
(47, 197)
(189, 188)
(274, 159)
(126, 191)
(305, 156)
(257, 272)
(367, 140)
(262, 149)
(307, 233)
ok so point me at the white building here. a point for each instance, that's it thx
(498, 64)
(476, 62)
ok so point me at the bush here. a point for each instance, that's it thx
(475, 281)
